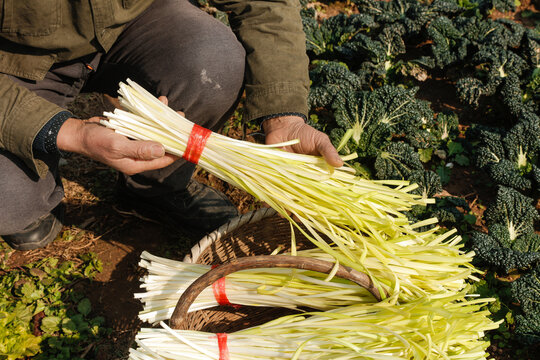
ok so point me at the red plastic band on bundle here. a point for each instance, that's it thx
(223, 348)
(196, 142)
(219, 292)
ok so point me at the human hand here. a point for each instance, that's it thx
(89, 138)
(312, 141)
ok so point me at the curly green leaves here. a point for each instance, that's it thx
(491, 253)
(511, 158)
(512, 242)
(330, 82)
(377, 116)
(525, 291)
(449, 43)
(325, 40)
(398, 161)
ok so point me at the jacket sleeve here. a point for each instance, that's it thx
(22, 115)
(271, 32)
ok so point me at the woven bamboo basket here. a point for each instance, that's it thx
(256, 233)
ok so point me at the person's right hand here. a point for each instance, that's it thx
(89, 138)
(312, 141)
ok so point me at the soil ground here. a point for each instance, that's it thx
(95, 223)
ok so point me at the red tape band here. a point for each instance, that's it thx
(196, 142)
(219, 292)
(223, 348)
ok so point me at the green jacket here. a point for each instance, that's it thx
(35, 34)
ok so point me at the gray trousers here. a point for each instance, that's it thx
(172, 49)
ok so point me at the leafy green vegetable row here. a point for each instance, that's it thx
(365, 71)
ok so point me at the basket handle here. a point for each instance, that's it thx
(264, 261)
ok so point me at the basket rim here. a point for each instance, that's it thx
(231, 225)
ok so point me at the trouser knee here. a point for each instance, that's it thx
(217, 73)
(198, 64)
(25, 197)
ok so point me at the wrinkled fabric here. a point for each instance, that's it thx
(190, 71)
(35, 35)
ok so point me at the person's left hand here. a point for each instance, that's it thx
(312, 141)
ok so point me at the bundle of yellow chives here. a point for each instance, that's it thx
(346, 216)
(436, 327)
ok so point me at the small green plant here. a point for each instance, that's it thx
(42, 315)
(444, 171)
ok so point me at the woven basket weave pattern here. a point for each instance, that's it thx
(257, 233)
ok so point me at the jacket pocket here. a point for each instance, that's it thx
(30, 17)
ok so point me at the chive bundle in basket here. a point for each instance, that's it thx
(356, 217)
(436, 327)
(168, 279)
(439, 266)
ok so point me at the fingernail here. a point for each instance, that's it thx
(157, 151)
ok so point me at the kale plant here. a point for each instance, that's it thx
(490, 253)
(411, 14)
(330, 81)
(328, 39)
(445, 127)
(504, 33)
(386, 12)
(511, 242)
(376, 55)
(366, 120)
(531, 52)
(497, 68)
(398, 161)
(531, 47)
(449, 43)
(514, 212)
(450, 211)
(363, 124)
(511, 158)
(429, 183)
(526, 292)
(501, 5)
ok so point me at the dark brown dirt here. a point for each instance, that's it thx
(526, 13)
